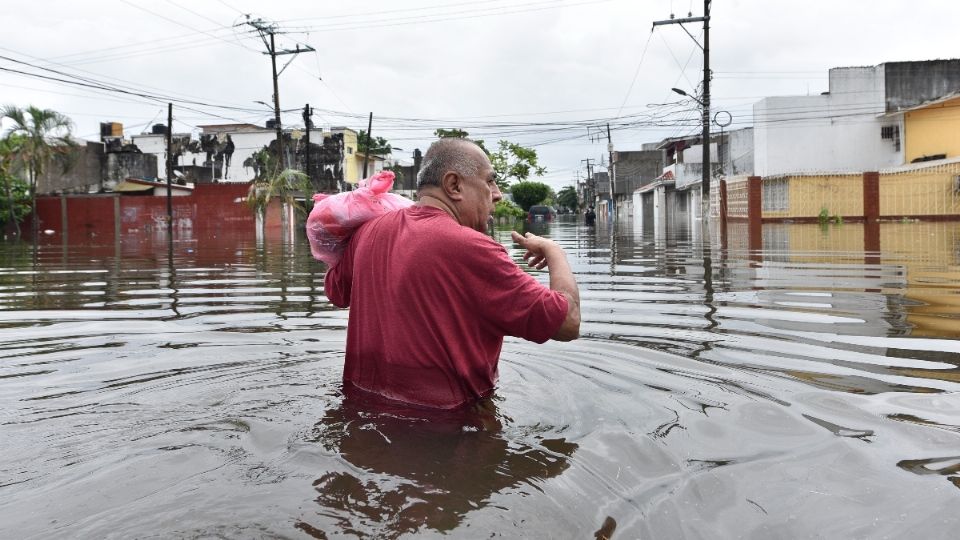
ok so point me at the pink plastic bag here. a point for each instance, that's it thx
(335, 218)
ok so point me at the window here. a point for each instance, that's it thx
(891, 133)
(776, 194)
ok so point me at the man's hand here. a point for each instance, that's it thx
(537, 247)
(543, 252)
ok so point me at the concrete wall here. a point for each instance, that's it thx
(209, 210)
(635, 169)
(82, 174)
(92, 169)
(840, 194)
(909, 84)
(921, 190)
(933, 130)
(836, 132)
(736, 152)
(118, 166)
(914, 191)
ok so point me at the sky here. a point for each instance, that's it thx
(550, 74)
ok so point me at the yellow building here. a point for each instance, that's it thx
(351, 163)
(933, 129)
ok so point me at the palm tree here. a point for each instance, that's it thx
(287, 185)
(45, 134)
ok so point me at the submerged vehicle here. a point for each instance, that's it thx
(540, 213)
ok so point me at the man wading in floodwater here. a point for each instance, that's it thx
(431, 296)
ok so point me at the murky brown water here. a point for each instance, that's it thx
(811, 390)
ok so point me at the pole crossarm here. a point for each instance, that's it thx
(306, 48)
(267, 31)
(681, 21)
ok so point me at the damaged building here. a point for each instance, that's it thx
(97, 167)
(241, 152)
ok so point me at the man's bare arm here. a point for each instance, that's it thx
(542, 252)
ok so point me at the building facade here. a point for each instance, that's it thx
(857, 125)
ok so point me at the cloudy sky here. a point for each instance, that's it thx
(546, 73)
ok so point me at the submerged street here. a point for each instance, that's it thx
(192, 389)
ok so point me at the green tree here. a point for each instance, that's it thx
(379, 146)
(447, 133)
(512, 162)
(457, 133)
(397, 171)
(567, 197)
(44, 135)
(15, 190)
(527, 194)
(505, 208)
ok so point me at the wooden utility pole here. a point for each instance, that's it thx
(169, 166)
(705, 99)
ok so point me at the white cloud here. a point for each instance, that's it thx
(384, 57)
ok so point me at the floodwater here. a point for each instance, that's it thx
(192, 390)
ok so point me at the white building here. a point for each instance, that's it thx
(838, 131)
(852, 127)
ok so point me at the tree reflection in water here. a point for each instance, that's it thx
(422, 468)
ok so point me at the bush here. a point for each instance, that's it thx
(20, 193)
(507, 209)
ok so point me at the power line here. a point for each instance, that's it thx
(178, 23)
(466, 14)
(635, 73)
(93, 83)
(128, 84)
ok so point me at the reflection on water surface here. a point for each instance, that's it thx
(193, 390)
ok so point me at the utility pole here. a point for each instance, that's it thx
(705, 101)
(276, 102)
(590, 174)
(610, 173)
(366, 155)
(269, 29)
(307, 113)
(169, 166)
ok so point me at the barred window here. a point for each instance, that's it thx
(776, 194)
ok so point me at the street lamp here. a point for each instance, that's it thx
(705, 142)
(684, 94)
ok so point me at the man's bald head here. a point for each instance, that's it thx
(449, 154)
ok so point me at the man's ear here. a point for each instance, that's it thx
(452, 184)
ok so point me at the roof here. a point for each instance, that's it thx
(218, 128)
(665, 179)
(133, 185)
(372, 157)
(692, 139)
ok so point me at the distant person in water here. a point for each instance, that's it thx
(590, 217)
(431, 296)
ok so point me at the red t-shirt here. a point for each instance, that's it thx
(430, 302)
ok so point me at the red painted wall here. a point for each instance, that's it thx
(210, 209)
